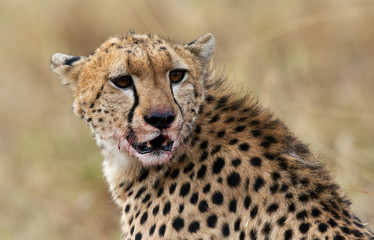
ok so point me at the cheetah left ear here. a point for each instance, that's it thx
(203, 47)
(68, 68)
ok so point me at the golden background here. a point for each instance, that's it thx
(311, 62)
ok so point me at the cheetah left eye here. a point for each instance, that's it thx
(177, 75)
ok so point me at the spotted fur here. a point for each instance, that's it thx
(234, 172)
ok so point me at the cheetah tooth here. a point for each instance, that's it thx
(149, 145)
(165, 143)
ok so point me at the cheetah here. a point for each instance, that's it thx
(188, 157)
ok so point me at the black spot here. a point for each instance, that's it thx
(140, 192)
(304, 227)
(215, 118)
(204, 145)
(244, 147)
(281, 220)
(303, 198)
(194, 198)
(316, 212)
(178, 223)
(211, 221)
(217, 198)
(233, 180)
(272, 208)
(146, 198)
(288, 234)
(232, 206)
(152, 230)
(194, 227)
(274, 188)
(284, 187)
(256, 132)
(202, 171)
(291, 207)
(302, 215)
(166, 208)
(203, 156)
(221, 133)
(198, 129)
(237, 224)
(216, 149)
(266, 229)
(185, 189)
(322, 227)
(160, 192)
(138, 236)
(345, 230)
(275, 176)
(203, 206)
(127, 208)
(174, 174)
(242, 235)
(256, 161)
(225, 230)
(89, 119)
(254, 122)
(254, 211)
(259, 183)
(357, 233)
(206, 188)
(230, 120)
(253, 234)
(222, 101)
(172, 188)
(161, 231)
(189, 167)
(181, 207)
(240, 128)
(218, 164)
(132, 230)
(233, 141)
(236, 162)
(144, 218)
(339, 237)
(247, 202)
(155, 210)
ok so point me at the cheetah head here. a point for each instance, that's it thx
(139, 94)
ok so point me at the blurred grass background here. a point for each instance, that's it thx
(312, 62)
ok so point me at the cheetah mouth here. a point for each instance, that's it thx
(158, 144)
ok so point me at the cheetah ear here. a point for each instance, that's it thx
(68, 68)
(203, 47)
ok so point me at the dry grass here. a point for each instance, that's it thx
(310, 61)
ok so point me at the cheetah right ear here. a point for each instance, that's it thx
(203, 48)
(68, 68)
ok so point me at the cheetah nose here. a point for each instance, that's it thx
(160, 120)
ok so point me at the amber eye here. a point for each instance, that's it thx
(177, 75)
(122, 81)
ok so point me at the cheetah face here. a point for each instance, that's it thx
(139, 94)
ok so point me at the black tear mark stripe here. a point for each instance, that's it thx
(136, 102)
(175, 100)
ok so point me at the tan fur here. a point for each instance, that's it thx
(235, 171)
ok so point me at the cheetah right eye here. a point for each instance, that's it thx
(123, 81)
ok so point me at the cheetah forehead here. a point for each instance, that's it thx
(134, 53)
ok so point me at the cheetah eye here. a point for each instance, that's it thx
(177, 75)
(122, 81)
